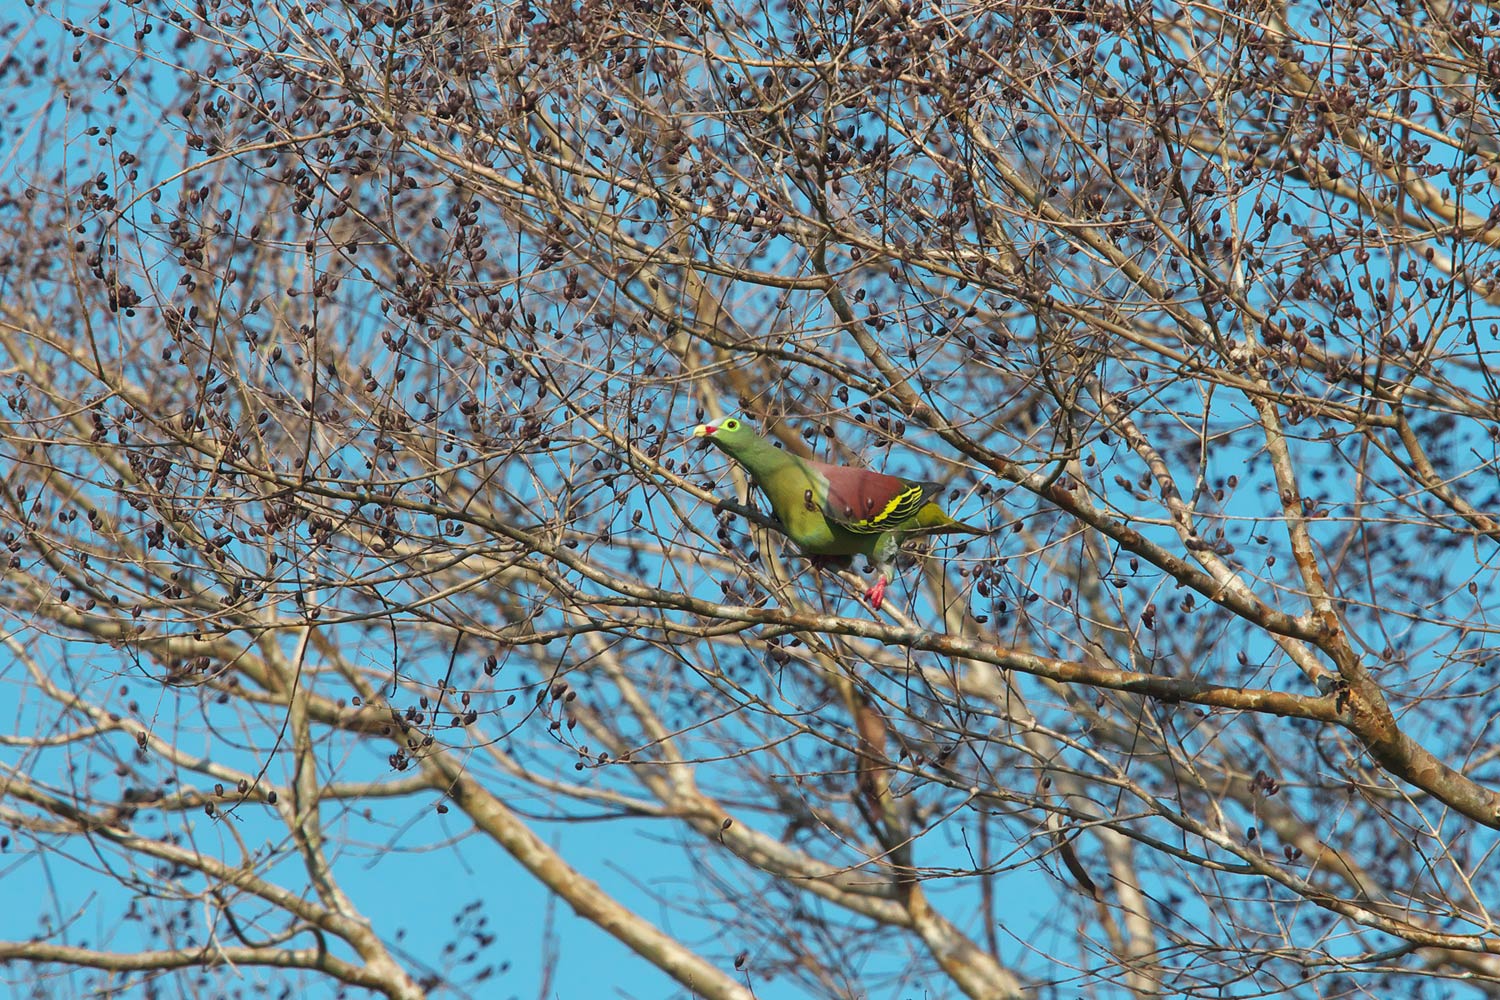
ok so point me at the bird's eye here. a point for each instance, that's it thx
(731, 425)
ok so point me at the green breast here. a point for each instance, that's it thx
(792, 493)
(815, 535)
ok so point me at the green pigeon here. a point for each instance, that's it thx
(834, 510)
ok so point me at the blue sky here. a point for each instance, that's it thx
(410, 866)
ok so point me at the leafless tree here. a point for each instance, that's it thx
(350, 352)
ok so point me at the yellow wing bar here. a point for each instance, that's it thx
(900, 508)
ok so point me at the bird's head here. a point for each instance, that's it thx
(728, 433)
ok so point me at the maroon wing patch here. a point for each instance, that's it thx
(868, 502)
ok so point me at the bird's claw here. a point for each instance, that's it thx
(876, 594)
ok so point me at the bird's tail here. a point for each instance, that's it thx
(932, 520)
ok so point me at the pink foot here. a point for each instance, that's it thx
(876, 594)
